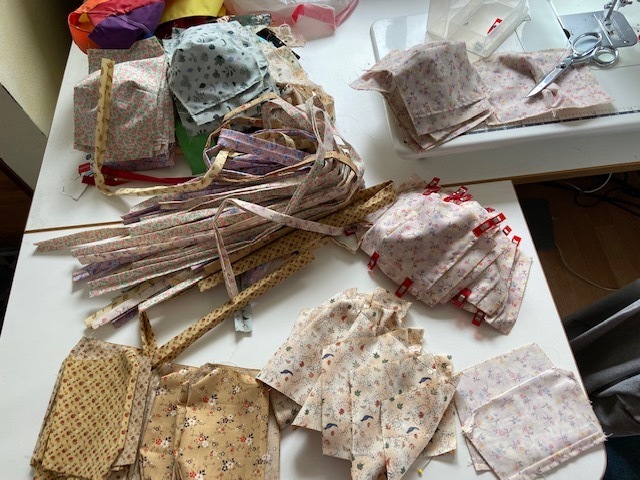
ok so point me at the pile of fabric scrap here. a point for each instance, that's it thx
(442, 246)
(206, 421)
(351, 371)
(214, 68)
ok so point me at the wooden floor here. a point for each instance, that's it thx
(600, 242)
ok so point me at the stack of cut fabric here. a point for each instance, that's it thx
(209, 420)
(95, 416)
(440, 246)
(349, 368)
(527, 418)
(141, 127)
(436, 94)
(213, 69)
(433, 91)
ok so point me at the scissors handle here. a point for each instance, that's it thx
(605, 56)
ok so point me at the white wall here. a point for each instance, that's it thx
(34, 44)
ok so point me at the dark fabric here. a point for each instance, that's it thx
(605, 339)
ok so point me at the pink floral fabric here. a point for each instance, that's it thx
(524, 416)
(441, 245)
(141, 126)
(509, 77)
(432, 89)
(436, 94)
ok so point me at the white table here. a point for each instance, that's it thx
(41, 329)
(45, 314)
(334, 62)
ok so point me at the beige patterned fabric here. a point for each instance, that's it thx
(95, 415)
(207, 422)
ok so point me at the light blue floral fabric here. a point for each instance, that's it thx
(215, 68)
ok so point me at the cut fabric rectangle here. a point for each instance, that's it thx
(522, 415)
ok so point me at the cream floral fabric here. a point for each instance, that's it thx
(361, 379)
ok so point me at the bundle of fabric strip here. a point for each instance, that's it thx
(174, 241)
(348, 368)
(441, 246)
(527, 418)
(142, 133)
(436, 94)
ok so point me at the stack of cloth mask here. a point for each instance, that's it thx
(436, 94)
(433, 91)
(95, 416)
(141, 126)
(348, 368)
(213, 69)
(522, 416)
(441, 246)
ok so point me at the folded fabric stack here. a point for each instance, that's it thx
(214, 68)
(436, 94)
(440, 246)
(527, 418)
(433, 91)
(349, 368)
(207, 422)
(141, 128)
(95, 416)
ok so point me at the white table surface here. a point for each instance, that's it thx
(45, 317)
(333, 62)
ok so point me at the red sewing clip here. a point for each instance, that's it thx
(457, 195)
(459, 299)
(483, 227)
(506, 230)
(373, 261)
(516, 239)
(350, 230)
(433, 186)
(402, 289)
(478, 318)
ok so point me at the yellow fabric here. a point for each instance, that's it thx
(174, 9)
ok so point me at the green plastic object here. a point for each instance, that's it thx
(192, 148)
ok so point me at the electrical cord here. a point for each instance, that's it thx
(581, 277)
(623, 188)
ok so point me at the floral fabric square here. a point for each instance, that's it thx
(522, 415)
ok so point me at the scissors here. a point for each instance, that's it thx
(603, 56)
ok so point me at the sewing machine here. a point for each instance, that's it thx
(548, 25)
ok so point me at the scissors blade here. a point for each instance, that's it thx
(550, 77)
